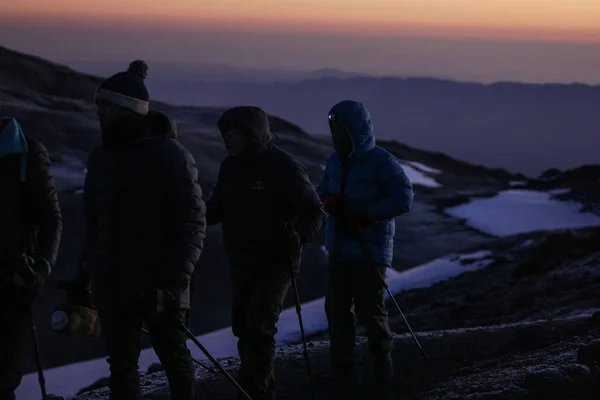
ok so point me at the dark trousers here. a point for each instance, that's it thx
(15, 346)
(358, 284)
(257, 303)
(121, 331)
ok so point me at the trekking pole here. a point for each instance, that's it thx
(301, 323)
(365, 250)
(197, 362)
(215, 362)
(38, 359)
(210, 357)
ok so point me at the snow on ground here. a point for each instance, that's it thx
(518, 211)
(438, 270)
(69, 379)
(419, 178)
(422, 167)
(517, 183)
(68, 176)
(556, 192)
(324, 251)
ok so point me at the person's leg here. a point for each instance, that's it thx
(241, 289)
(370, 308)
(342, 328)
(264, 308)
(121, 333)
(169, 342)
(15, 348)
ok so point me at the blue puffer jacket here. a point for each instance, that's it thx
(376, 182)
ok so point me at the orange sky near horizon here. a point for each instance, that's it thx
(577, 20)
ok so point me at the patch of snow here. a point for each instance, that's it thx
(519, 211)
(525, 244)
(419, 178)
(324, 250)
(68, 176)
(67, 380)
(437, 270)
(517, 183)
(423, 167)
(556, 192)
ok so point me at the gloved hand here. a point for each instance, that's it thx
(31, 274)
(355, 223)
(332, 203)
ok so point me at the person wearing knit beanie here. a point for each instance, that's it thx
(127, 89)
(145, 224)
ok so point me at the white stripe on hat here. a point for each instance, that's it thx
(131, 103)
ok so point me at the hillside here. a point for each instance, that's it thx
(522, 127)
(54, 104)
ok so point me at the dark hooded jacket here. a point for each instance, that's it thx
(264, 199)
(30, 215)
(145, 213)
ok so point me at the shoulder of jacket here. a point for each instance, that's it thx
(175, 149)
(286, 162)
(35, 147)
(36, 151)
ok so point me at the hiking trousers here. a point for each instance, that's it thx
(257, 304)
(357, 284)
(121, 330)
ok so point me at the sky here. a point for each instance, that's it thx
(524, 40)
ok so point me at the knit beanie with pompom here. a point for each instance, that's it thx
(126, 89)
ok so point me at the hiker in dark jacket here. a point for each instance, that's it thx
(268, 209)
(364, 188)
(30, 233)
(145, 230)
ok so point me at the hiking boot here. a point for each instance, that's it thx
(383, 370)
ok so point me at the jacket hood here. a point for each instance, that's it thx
(252, 120)
(13, 141)
(357, 120)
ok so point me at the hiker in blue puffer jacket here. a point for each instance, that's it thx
(363, 189)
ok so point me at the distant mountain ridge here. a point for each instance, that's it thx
(521, 127)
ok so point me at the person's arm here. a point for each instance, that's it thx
(45, 207)
(304, 203)
(397, 191)
(188, 212)
(214, 213)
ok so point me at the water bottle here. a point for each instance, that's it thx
(75, 320)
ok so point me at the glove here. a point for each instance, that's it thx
(354, 224)
(332, 203)
(30, 275)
